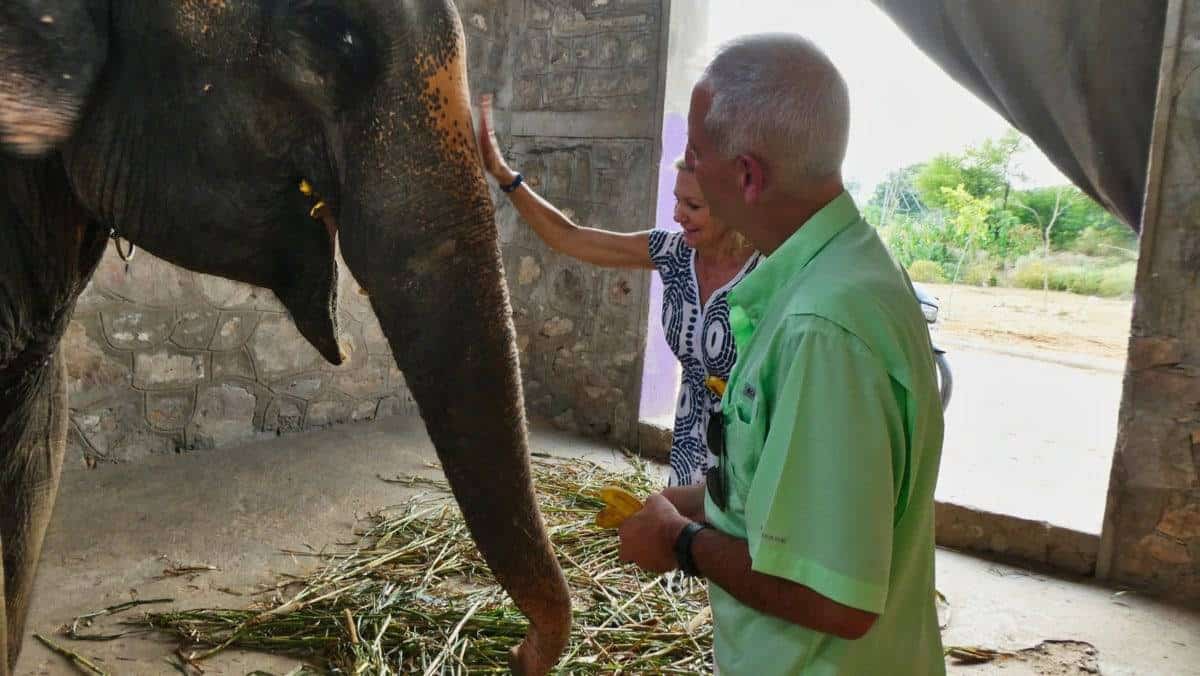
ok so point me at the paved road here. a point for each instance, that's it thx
(1030, 438)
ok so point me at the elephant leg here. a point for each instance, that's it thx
(4, 666)
(32, 443)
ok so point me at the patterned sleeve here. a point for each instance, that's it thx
(667, 251)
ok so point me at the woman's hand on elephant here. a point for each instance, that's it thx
(489, 147)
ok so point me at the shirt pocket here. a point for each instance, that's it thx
(744, 435)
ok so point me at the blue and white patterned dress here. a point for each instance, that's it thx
(701, 339)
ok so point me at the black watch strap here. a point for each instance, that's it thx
(683, 548)
(516, 183)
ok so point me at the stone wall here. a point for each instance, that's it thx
(582, 120)
(163, 360)
(1152, 524)
(577, 327)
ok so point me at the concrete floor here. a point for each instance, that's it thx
(237, 508)
(1031, 438)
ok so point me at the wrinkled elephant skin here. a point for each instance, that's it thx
(188, 126)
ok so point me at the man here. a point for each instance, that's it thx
(816, 529)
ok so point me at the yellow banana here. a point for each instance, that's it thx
(619, 503)
(716, 385)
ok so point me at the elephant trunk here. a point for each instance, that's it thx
(417, 229)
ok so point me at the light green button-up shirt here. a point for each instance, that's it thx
(833, 433)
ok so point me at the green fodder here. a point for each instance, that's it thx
(414, 596)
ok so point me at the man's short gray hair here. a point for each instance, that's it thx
(778, 96)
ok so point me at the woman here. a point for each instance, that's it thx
(698, 267)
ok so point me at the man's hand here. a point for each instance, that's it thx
(689, 500)
(648, 537)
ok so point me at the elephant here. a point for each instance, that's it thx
(188, 127)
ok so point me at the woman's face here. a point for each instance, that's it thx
(700, 229)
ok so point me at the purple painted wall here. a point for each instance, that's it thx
(660, 373)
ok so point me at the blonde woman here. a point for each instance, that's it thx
(698, 267)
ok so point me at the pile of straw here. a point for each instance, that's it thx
(414, 596)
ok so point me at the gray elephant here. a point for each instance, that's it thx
(188, 126)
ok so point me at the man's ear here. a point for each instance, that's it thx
(753, 177)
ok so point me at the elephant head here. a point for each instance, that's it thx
(189, 126)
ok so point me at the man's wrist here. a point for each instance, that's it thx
(672, 529)
(683, 547)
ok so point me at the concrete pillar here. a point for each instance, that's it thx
(581, 110)
(1151, 533)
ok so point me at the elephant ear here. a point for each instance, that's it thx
(51, 52)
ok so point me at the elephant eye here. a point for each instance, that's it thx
(327, 44)
(330, 28)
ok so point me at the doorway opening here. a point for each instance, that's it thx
(1035, 279)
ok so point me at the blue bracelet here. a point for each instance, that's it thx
(516, 183)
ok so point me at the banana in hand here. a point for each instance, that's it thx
(619, 503)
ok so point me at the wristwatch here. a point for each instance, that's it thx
(516, 183)
(683, 548)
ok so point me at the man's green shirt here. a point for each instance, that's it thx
(833, 433)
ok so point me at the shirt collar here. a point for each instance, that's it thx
(757, 288)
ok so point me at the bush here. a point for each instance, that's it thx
(979, 272)
(1103, 242)
(1028, 273)
(926, 272)
(1076, 274)
(910, 240)
(1010, 241)
(1075, 279)
(1119, 281)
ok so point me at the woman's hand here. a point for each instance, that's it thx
(489, 147)
(599, 247)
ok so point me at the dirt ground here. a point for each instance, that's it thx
(1021, 318)
(241, 510)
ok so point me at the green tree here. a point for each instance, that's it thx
(985, 171)
(1080, 214)
(968, 222)
(1064, 197)
(963, 206)
(997, 159)
(911, 240)
(944, 171)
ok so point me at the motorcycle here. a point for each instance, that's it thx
(929, 308)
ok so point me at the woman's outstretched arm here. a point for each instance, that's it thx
(591, 245)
